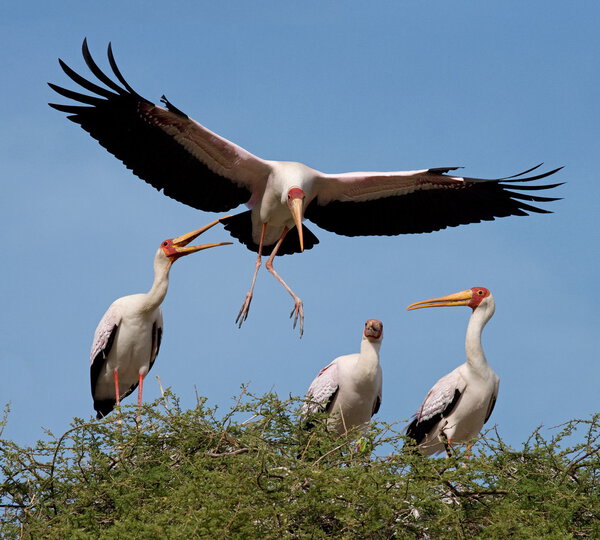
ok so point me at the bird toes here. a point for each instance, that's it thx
(298, 314)
(243, 313)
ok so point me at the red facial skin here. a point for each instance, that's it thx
(479, 293)
(373, 329)
(169, 249)
(295, 193)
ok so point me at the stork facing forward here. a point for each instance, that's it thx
(197, 167)
(128, 336)
(349, 388)
(460, 403)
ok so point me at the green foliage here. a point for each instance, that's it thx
(256, 473)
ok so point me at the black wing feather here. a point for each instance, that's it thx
(116, 123)
(418, 429)
(240, 227)
(430, 210)
(376, 405)
(491, 409)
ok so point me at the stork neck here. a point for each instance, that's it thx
(368, 358)
(475, 355)
(156, 295)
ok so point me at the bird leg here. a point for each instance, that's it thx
(298, 310)
(117, 395)
(468, 451)
(140, 388)
(243, 313)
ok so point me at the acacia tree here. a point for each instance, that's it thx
(256, 473)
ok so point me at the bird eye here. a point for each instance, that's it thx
(480, 292)
(165, 243)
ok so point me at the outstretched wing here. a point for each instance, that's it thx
(439, 403)
(163, 146)
(370, 203)
(322, 391)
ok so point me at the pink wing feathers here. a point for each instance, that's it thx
(322, 390)
(439, 402)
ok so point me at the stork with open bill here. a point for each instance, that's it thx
(128, 337)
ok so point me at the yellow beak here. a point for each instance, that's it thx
(457, 299)
(295, 206)
(180, 242)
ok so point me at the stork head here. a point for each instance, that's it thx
(373, 330)
(472, 297)
(174, 248)
(295, 202)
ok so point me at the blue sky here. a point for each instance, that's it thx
(340, 86)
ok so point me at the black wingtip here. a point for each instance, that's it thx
(172, 107)
(442, 170)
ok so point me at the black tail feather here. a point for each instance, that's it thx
(240, 227)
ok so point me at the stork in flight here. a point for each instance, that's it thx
(460, 403)
(197, 167)
(349, 388)
(128, 336)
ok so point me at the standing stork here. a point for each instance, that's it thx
(197, 167)
(349, 388)
(460, 403)
(128, 336)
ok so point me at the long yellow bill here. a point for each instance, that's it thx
(185, 239)
(296, 210)
(457, 299)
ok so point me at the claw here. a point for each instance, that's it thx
(243, 313)
(298, 313)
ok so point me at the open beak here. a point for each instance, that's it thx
(462, 298)
(181, 242)
(295, 206)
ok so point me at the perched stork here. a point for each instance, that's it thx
(128, 336)
(349, 388)
(195, 166)
(460, 403)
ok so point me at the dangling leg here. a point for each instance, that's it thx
(298, 311)
(243, 313)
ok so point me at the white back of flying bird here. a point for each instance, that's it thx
(350, 388)
(461, 402)
(197, 167)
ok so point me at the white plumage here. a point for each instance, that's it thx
(349, 388)
(461, 402)
(127, 339)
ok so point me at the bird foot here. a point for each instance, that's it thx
(243, 313)
(298, 314)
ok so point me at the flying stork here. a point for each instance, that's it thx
(197, 167)
(461, 402)
(349, 388)
(127, 339)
